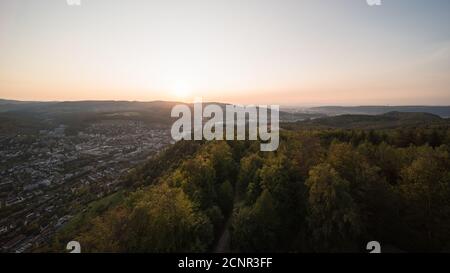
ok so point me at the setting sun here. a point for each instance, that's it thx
(181, 91)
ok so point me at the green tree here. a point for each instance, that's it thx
(333, 215)
(248, 173)
(157, 219)
(425, 187)
(256, 228)
(221, 158)
(197, 178)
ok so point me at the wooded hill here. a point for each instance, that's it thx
(323, 190)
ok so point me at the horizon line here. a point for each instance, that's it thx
(281, 105)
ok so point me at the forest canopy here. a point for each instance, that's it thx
(323, 190)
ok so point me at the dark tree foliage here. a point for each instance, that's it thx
(325, 190)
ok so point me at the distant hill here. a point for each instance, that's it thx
(23, 116)
(155, 110)
(28, 117)
(442, 111)
(387, 120)
(14, 105)
(81, 106)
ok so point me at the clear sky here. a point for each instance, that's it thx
(290, 52)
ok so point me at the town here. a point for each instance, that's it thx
(48, 177)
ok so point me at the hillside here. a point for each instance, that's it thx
(442, 111)
(373, 185)
(383, 121)
(33, 116)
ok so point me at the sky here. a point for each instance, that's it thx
(288, 52)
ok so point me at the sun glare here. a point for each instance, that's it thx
(181, 91)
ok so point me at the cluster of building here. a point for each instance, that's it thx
(45, 178)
